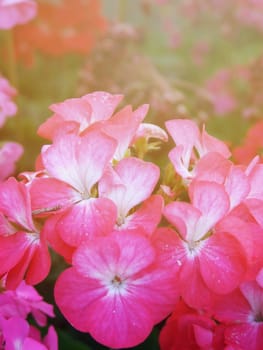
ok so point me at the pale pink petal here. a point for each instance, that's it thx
(79, 160)
(184, 218)
(74, 109)
(133, 182)
(103, 104)
(148, 131)
(237, 186)
(212, 144)
(13, 12)
(212, 201)
(131, 252)
(48, 194)
(181, 162)
(184, 132)
(255, 207)
(86, 220)
(123, 126)
(256, 178)
(212, 167)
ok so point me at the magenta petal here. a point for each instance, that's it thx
(74, 294)
(246, 336)
(15, 203)
(15, 331)
(222, 263)
(18, 243)
(190, 280)
(119, 322)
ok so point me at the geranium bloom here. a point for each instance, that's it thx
(79, 113)
(15, 306)
(16, 333)
(242, 313)
(187, 329)
(203, 259)
(74, 164)
(13, 12)
(191, 145)
(18, 232)
(115, 291)
(128, 184)
(7, 107)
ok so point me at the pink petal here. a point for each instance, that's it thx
(212, 144)
(184, 218)
(103, 104)
(48, 194)
(181, 161)
(79, 161)
(15, 331)
(15, 203)
(246, 336)
(13, 12)
(191, 281)
(237, 186)
(128, 252)
(148, 131)
(138, 177)
(222, 263)
(184, 132)
(122, 127)
(147, 217)
(86, 220)
(213, 202)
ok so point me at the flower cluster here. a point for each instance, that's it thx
(140, 244)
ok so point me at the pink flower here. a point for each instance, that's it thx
(22, 301)
(13, 12)
(191, 145)
(18, 334)
(188, 329)
(79, 113)
(115, 291)
(206, 261)
(74, 165)
(242, 313)
(18, 233)
(128, 184)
